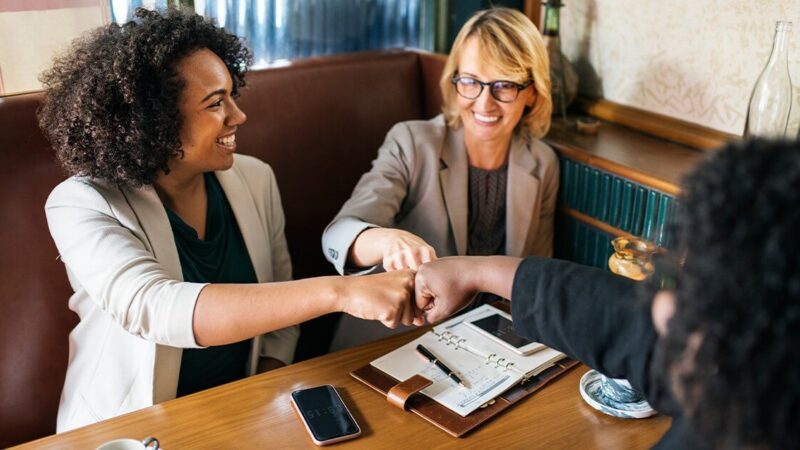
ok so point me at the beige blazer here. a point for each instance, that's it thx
(135, 311)
(419, 183)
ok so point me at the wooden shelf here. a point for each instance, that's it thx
(658, 125)
(647, 160)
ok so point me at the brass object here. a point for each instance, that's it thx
(587, 125)
(632, 257)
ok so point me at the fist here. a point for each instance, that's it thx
(444, 286)
(402, 250)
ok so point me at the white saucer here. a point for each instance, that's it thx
(591, 392)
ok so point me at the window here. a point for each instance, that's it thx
(279, 30)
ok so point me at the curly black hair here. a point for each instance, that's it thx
(739, 291)
(110, 106)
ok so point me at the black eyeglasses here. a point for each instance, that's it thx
(502, 90)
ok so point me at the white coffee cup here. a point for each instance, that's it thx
(129, 444)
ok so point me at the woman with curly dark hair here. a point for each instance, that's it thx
(718, 351)
(174, 245)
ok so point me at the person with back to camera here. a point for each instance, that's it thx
(173, 244)
(713, 343)
(475, 180)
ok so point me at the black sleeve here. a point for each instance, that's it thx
(589, 314)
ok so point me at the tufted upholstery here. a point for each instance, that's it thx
(318, 122)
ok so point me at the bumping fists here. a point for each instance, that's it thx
(439, 289)
(443, 287)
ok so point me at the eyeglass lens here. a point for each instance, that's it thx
(504, 91)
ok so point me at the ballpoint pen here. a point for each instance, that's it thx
(435, 360)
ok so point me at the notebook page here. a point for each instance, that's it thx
(457, 331)
(484, 382)
(469, 357)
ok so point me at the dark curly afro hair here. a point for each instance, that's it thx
(739, 290)
(110, 105)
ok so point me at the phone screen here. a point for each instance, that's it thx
(503, 329)
(324, 412)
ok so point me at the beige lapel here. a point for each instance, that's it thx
(453, 177)
(521, 194)
(246, 213)
(153, 219)
(255, 237)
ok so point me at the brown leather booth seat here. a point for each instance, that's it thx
(318, 122)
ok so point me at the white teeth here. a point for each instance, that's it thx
(227, 140)
(483, 118)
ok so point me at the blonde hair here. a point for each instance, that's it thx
(509, 41)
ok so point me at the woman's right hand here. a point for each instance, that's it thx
(396, 249)
(387, 297)
(402, 249)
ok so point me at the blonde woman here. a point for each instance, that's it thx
(475, 180)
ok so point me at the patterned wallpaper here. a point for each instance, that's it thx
(695, 60)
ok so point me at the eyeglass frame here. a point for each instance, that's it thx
(520, 87)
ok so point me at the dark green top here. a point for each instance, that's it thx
(219, 258)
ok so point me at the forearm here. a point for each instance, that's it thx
(227, 313)
(494, 274)
(587, 313)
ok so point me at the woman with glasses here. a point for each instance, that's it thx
(475, 180)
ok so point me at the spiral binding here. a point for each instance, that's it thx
(498, 362)
(449, 338)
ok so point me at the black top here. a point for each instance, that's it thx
(486, 217)
(595, 317)
(221, 258)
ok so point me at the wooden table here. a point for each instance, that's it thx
(256, 413)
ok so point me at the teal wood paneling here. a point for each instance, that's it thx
(624, 222)
(604, 197)
(614, 209)
(593, 188)
(582, 243)
(637, 213)
(617, 201)
(585, 186)
(651, 215)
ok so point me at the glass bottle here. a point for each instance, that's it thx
(563, 78)
(771, 100)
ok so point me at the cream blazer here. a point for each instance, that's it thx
(135, 310)
(419, 183)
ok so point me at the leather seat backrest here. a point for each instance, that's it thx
(34, 318)
(319, 124)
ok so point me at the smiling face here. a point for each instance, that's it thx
(210, 115)
(486, 120)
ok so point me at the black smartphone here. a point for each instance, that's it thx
(500, 328)
(325, 415)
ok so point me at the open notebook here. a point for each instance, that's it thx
(487, 367)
